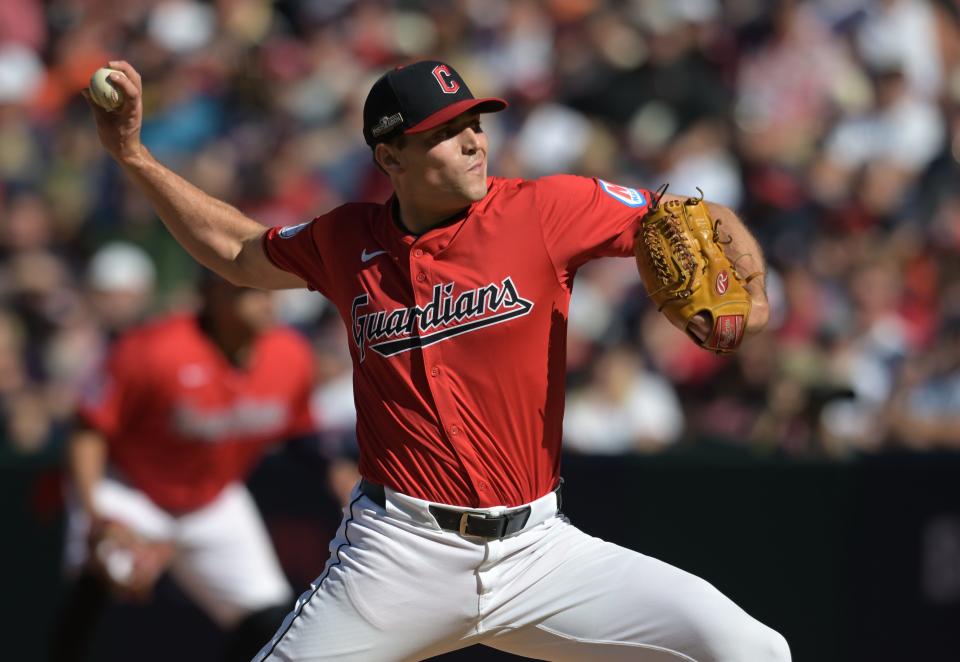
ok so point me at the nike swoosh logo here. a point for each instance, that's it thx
(366, 257)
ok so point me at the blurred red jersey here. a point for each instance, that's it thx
(182, 422)
(458, 336)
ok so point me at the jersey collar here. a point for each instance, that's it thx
(395, 238)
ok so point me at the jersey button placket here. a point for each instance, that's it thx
(420, 263)
(424, 293)
(418, 269)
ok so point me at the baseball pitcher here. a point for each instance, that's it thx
(454, 294)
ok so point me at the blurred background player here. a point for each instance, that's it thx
(121, 280)
(184, 408)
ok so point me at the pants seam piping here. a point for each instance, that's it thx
(326, 574)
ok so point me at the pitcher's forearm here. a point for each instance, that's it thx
(212, 231)
(747, 257)
(216, 234)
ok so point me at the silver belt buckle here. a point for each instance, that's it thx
(463, 523)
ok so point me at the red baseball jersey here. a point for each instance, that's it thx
(458, 336)
(182, 422)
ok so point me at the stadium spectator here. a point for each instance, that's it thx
(258, 103)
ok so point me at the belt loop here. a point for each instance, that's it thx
(374, 491)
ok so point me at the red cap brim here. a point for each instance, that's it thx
(487, 105)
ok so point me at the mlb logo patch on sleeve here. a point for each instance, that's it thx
(291, 230)
(631, 197)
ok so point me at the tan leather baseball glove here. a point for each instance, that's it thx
(681, 261)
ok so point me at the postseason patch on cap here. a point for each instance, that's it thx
(386, 125)
(631, 197)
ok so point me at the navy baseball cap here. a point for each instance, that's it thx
(418, 97)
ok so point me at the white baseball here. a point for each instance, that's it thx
(103, 92)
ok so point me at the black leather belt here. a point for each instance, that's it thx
(465, 522)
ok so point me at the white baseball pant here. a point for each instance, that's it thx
(397, 587)
(224, 559)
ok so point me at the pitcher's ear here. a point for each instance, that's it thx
(386, 156)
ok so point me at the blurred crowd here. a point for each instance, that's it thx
(832, 126)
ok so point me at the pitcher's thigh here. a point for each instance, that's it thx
(387, 594)
(325, 624)
(605, 602)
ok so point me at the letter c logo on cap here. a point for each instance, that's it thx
(447, 83)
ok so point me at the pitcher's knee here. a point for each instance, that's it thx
(779, 648)
(754, 644)
(769, 646)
